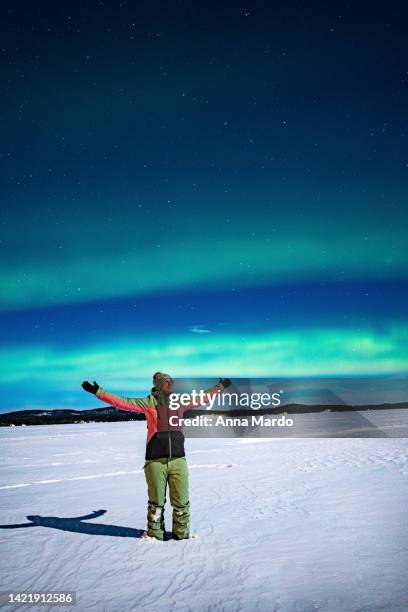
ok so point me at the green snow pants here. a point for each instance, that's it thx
(158, 473)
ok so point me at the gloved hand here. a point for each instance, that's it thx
(225, 382)
(90, 388)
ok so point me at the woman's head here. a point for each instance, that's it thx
(163, 382)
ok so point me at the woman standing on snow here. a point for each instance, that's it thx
(165, 454)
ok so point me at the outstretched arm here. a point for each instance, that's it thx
(217, 389)
(131, 404)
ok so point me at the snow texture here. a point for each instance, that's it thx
(284, 524)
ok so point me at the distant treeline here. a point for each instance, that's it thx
(54, 417)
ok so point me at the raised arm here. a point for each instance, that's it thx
(208, 393)
(131, 404)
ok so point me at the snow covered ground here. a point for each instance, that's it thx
(284, 524)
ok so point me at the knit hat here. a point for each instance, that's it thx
(159, 378)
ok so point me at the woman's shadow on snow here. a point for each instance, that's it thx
(77, 525)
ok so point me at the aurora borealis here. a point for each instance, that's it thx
(205, 189)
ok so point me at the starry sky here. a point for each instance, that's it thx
(207, 189)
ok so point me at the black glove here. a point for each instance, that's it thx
(225, 382)
(90, 388)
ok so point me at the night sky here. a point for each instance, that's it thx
(215, 188)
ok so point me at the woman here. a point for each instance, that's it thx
(165, 455)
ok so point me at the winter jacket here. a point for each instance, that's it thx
(164, 440)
